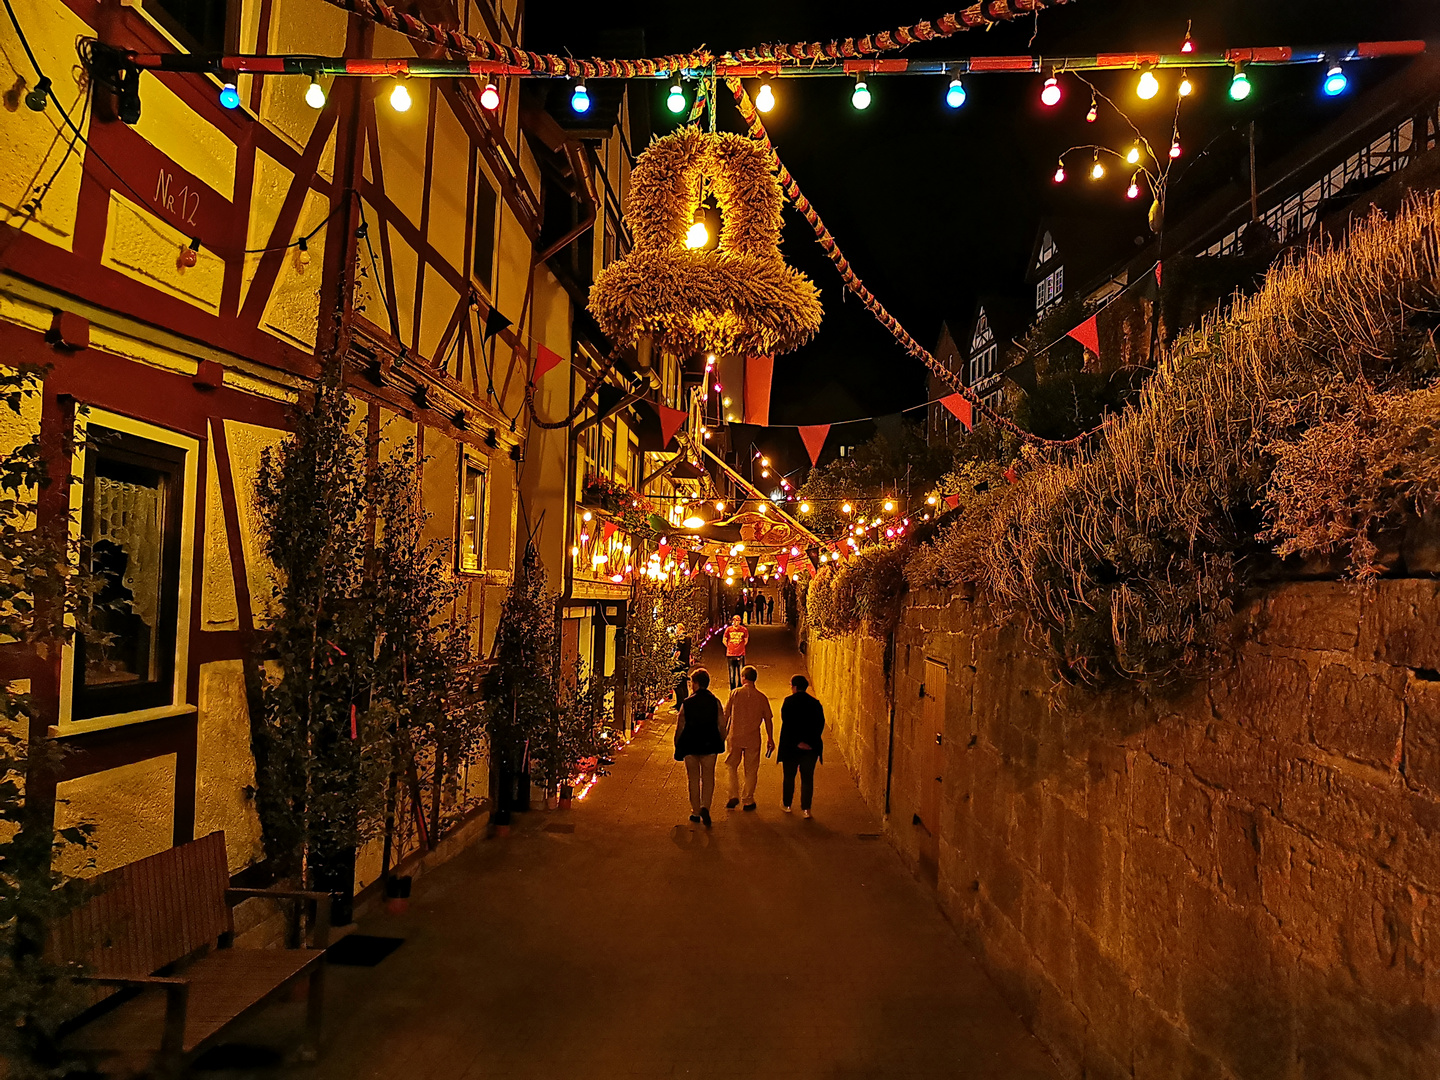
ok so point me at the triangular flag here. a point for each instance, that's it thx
(1087, 334)
(495, 323)
(814, 439)
(607, 530)
(753, 561)
(607, 399)
(696, 559)
(952, 501)
(959, 405)
(546, 359)
(671, 420)
(722, 564)
(759, 370)
(813, 553)
(782, 562)
(662, 549)
(1011, 475)
(1157, 273)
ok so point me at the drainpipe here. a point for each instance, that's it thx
(890, 751)
(581, 171)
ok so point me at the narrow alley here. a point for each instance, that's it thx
(638, 945)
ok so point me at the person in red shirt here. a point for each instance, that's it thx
(736, 637)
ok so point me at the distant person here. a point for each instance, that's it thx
(745, 712)
(749, 609)
(698, 742)
(682, 663)
(802, 719)
(740, 609)
(770, 611)
(736, 638)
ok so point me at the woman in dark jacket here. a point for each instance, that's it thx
(802, 719)
(698, 741)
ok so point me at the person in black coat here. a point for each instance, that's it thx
(699, 740)
(802, 719)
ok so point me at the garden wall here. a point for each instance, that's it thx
(1238, 883)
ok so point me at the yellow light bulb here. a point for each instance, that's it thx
(1186, 86)
(1134, 155)
(697, 236)
(400, 98)
(804, 508)
(765, 99)
(845, 509)
(889, 506)
(1148, 86)
(1098, 171)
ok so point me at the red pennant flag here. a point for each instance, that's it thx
(952, 501)
(814, 439)
(1087, 334)
(671, 420)
(759, 370)
(721, 564)
(782, 562)
(1011, 475)
(607, 530)
(546, 359)
(662, 550)
(1157, 273)
(960, 407)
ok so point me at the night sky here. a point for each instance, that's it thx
(934, 206)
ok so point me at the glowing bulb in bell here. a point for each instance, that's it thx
(765, 99)
(1148, 86)
(697, 236)
(400, 98)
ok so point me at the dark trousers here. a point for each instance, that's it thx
(804, 760)
(736, 663)
(682, 689)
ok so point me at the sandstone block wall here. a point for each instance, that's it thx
(1236, 883)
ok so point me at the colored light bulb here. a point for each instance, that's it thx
(1050, 94)
(1335, 81)
(490, 97)
(675, 102)
(1239, 86)
(1060, 174)
(955, 96)
(580, 98)
(229, 96)
(861, 96)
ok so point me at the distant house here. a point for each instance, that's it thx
(997, 320)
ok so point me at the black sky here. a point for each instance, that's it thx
(934, 206)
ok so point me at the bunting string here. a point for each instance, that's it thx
(853, 283)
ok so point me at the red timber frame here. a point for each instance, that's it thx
(412, 385)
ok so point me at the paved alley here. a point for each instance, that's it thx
(639, 945)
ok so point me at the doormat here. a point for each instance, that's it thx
(238, 1056)
(362, 950)
(555, 827)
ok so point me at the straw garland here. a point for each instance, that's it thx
(740, 297)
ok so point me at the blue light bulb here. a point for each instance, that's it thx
(955, 96)
(1335, 82)
(580, 98)
(229, 96)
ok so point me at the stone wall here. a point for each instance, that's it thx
(1236, 883)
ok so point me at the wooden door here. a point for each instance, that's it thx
(930, 760)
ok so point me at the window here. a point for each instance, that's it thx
(472, 517)
(607, 451)
(1048, 290)
(131, 524)
(202, 25)
(637, 466)
(485, 207)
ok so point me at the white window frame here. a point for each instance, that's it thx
(470, 463)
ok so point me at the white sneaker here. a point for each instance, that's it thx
(787, 810)
(805, 812)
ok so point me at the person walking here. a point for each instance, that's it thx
(736, 638)
(682, 663)
(699, 740)
(770, 611)
(802, 719)
(745, 711)
(740, 608)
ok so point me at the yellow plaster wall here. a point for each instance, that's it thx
(267, 195)
(440, 487)
(132, 809)
(141, 246)
(395, 432)
(225, 769)
(185, 137)
(405, 262)
(32, 145)
(292, 312)
(438, 307)
(307, 27)
(449, 197)
(402, 135)
(501, 514)
(219, 607)
(543, 472)
(246, 443)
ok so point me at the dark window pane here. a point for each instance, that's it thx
(485, 207)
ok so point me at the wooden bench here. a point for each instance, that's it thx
(155, 942)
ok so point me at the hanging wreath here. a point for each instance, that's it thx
(740, 297)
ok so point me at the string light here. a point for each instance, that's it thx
(302, 255)
(1097, 171)
(889, 506)
(765, 99)
(229, 96)
(1094, 109)
(860, 97)
(315, 95)
(804, 508)
(400, 98)
(1133, 191)
(1134, 155)
(1335, 81)
(580, 98)
(1175, 146)
(1186, 86)
(1050, 93)
(490, 96)
(1187, 46)
(955, 95)
(1148, 86)
(676, 101)
(1239, 85)
(1060, 172)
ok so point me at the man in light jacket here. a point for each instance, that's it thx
(745, 712)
